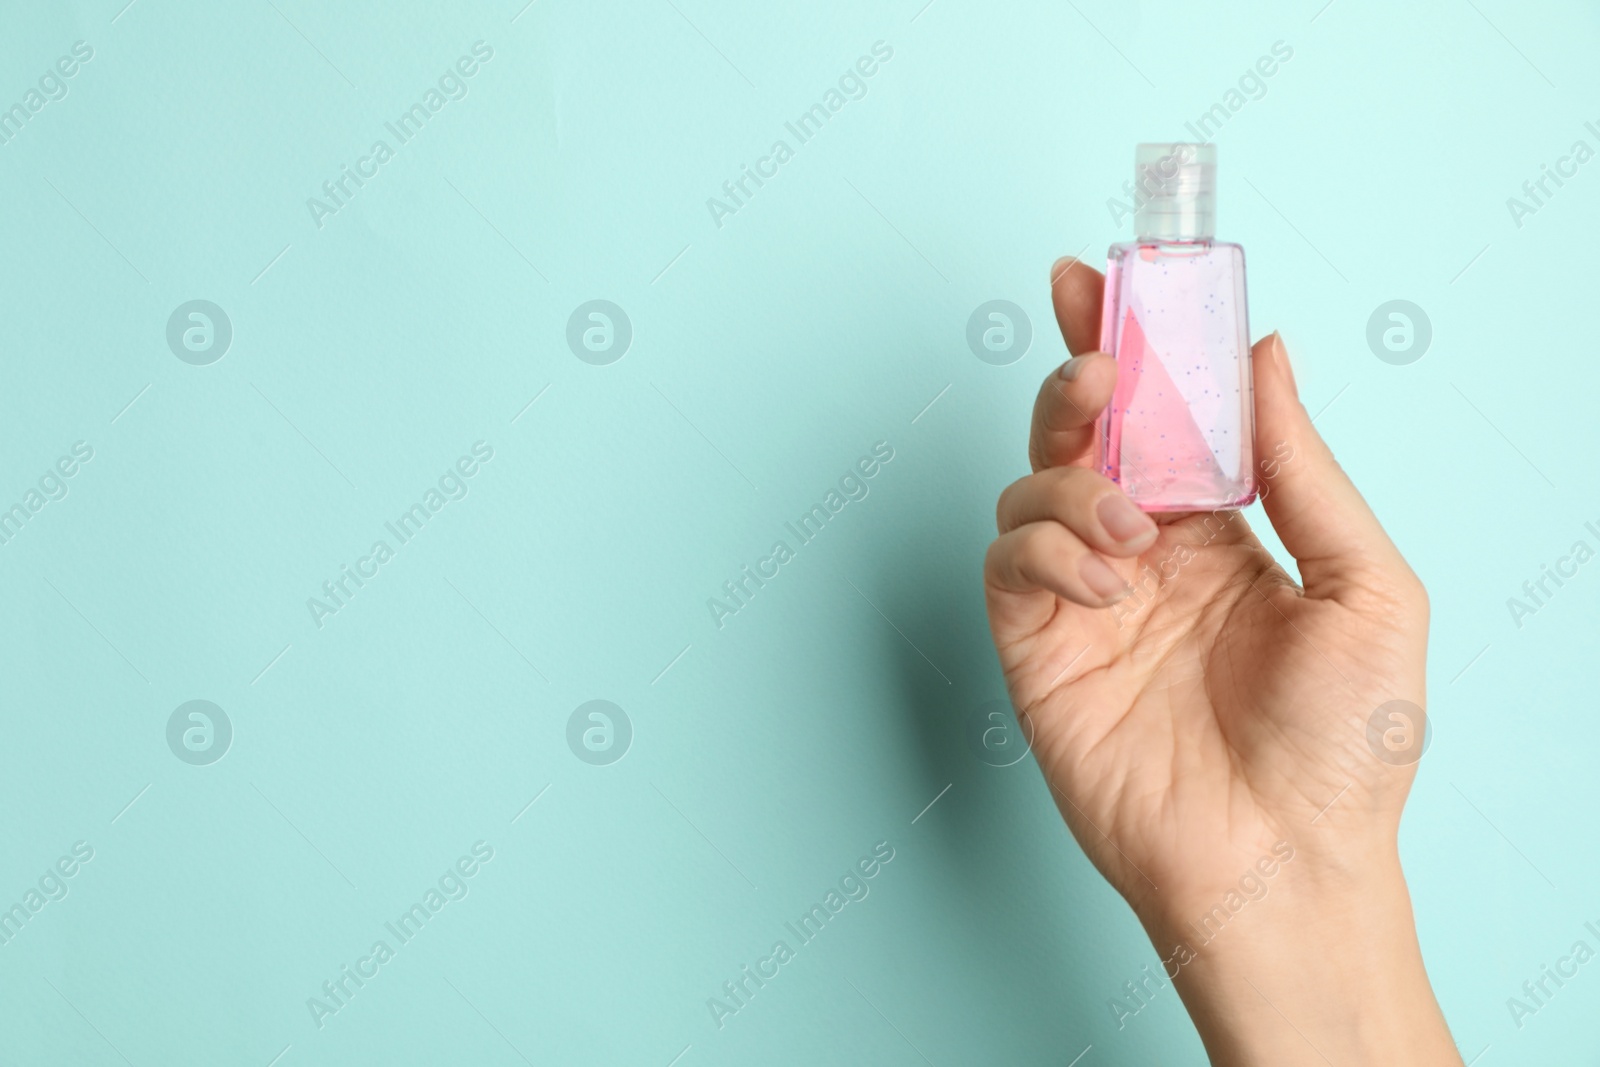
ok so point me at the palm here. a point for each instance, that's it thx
(1188, 724)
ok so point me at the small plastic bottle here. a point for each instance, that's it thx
(1179, 432)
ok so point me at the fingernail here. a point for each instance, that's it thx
(1101, 579)
(1072, 368)
(1281, 354)
(1123, 520)
(1060, 267)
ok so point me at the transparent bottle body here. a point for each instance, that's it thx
(1179, 433)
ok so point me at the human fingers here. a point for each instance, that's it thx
(1064, 415)
(1076, 291)
(1046, 556)
(1088, 504)
(1318, 513)
(1072, 398)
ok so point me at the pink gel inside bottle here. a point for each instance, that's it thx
(1179, 432)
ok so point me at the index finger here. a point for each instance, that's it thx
(1072, 398)
(1076, 291)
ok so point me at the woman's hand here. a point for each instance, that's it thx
(1200, 716)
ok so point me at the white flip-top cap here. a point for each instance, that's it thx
(1175, 190)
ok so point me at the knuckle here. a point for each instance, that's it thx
(1416, 594)
(1036, 544)
(992, 558)
(1072, 488)
(1059, 411)
(1005, 506)
(1061, 496)
(1396, 595)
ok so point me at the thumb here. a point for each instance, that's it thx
(1316, 510)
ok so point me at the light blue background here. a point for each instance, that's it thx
(768, 355)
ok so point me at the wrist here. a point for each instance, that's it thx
(1309, 877)
(1323, 965)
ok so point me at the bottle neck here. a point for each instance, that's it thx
(1192, 240)
(1177, 222)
